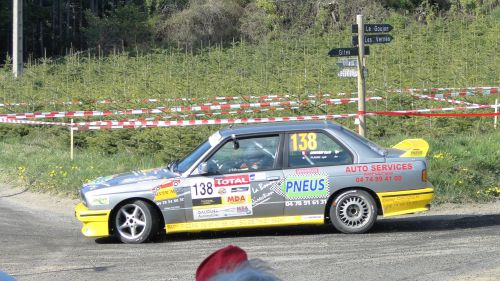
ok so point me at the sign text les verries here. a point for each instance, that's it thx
(373, 39)
(373, 28)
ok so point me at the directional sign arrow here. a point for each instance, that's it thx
(373, 28)
(373, 39)
(347, 52)
(347, 62)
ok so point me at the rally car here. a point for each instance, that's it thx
(263, 175)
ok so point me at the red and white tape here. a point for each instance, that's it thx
(215, 100)
(469, 90)
(161, 110)
(428, 97)
(183, 123)
(16, 121)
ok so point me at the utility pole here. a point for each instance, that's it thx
(361, 76)
(17, 37)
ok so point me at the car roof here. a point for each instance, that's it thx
(279, 127)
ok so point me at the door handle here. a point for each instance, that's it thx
(273, 178)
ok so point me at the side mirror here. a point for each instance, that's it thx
(236, 144)
(203, 168)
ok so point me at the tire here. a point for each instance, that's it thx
(135, 222)
(353, 212)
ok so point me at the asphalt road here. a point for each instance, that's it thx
(41, 240)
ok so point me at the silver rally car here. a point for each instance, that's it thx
(263, 175)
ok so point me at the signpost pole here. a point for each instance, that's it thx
(361, 76)
(71, 134)
(17, 38)
(496, 117)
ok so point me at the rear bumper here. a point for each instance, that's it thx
(95, 222)
(406, 202)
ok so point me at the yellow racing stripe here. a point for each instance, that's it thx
(243, 223)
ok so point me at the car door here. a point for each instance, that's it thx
(314, 167)
(240, 181)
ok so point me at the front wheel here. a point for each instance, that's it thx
(353, 211)
(135, 222)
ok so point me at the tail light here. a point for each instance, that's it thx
(425, 178)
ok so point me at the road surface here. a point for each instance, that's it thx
(41, 240)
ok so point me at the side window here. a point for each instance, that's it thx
(250, 154)
(308, 149)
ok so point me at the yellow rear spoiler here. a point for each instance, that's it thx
(413, 147)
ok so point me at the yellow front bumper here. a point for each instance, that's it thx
(405, 202)
(95, 223)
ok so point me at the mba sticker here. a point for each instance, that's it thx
(305, 187)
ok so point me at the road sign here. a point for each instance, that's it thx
(347, 62)
(373, 28)
(350, 72)
(347, 52)
(373, 39)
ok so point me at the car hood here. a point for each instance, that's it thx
(130, 178)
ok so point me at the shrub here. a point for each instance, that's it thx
(201, 23)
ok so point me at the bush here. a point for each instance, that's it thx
(203, 22)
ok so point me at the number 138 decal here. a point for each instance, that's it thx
(304, 141)
(202, 189)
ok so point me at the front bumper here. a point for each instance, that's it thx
(95, 222)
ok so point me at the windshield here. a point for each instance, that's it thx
(189, 160)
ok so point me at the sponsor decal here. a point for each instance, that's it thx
(207, 201)
(166, 190)
(239, 189)
(222, 212)
(258, 177)
(232, 180)
(305, 203)
(379, 172)
(303, 141)
(379, 168)
(97, 201)
(236, 199)
(307, 171)
(225, 196)
(304, 187)
(262, 199)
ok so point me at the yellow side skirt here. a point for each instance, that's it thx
(243, 223)
(405, 202)
(95, 223)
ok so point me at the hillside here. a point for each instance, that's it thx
(444, 52)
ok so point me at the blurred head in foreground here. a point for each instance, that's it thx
(231, 264)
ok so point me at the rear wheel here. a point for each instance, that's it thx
(353, 211)
(135, 222)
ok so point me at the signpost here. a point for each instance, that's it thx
(351, 72)
(346, 62)
(373, 39)
(373, 28)
(350, 68)
(346, 52)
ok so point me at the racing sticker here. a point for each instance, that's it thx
(304, 141)
(379, 172)
(305, 186)
(166, 190)
(220, 197)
